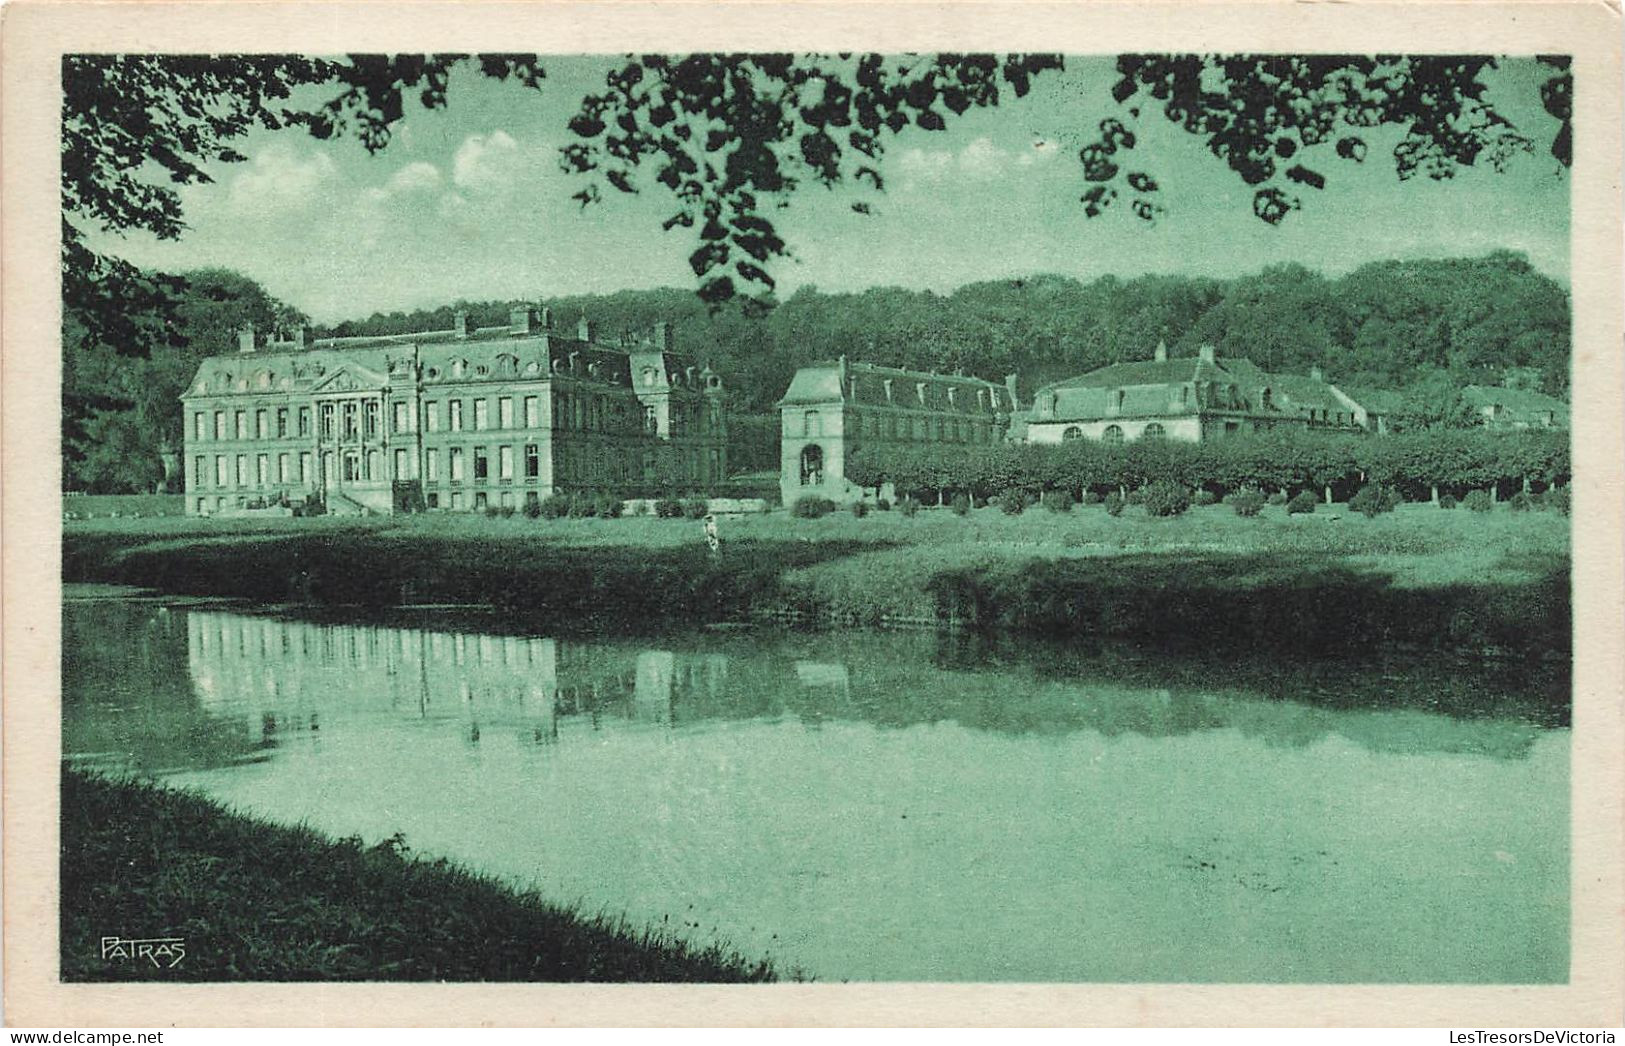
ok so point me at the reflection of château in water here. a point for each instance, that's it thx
(283, 675)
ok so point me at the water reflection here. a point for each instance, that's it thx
(889, 806)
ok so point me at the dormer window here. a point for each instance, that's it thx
(648, 376)
(1118, 396)
(919, 391)
(888, 383)
(458, 368)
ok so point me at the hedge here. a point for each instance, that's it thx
(1452, 460)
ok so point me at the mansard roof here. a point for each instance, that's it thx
(868, 384)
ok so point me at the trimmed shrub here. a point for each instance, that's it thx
(1303, 504)
(1478, 501)
(811, 506)
(1114, 504)
(908, 505)
(959, 504)
(1091, 497)
(1136, 496)
(556, 507)
(1278, 498)
(978, 502)
(860, 508)
(1448, 501)
(584, 506)
(1013, 502)
(533, 508)
(1204, 496)
(1557, 499)
(1057, 500)
(499, 511)
(609, 506)
(1246, 502)
(1166, 499)
(1374, 499)
(882, 505)
(699, 508)
(669, 508)
(1522, 501)
(640, 507)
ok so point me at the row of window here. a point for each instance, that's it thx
(285, 422)
(1113, 434)
(929, 395)
(943, 430)
(480, 458)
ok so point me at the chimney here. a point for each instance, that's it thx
(245, 338)
(520, 320)
(459, 320)
(1316, 373)
(1207, 353)
(585, 329)
(544, 317)
(303, 337)
(1161, 355)
(663, 339)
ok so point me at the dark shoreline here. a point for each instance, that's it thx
(255, 901)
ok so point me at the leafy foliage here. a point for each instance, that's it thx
(1166, 498)
(1302, 503)
(1478, 501)
(1246, 502)
(811, 506)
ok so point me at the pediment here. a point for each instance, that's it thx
(351, 378)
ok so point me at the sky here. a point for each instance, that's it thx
(469, 202)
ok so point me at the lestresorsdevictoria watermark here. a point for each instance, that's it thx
(165, 953)
(1536, 1037)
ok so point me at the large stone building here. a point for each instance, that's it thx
(457, 419)
(1192, 398)
(830, 410)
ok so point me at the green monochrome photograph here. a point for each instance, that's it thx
(724, 516)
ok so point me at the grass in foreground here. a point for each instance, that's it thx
(258, 902)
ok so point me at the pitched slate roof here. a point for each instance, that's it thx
(1515, 401)
(866, 384)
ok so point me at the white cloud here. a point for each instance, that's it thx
(1043, 151)
(415, 177)
(487, 164)
(979, 160)
(280, 177)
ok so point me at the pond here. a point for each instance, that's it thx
(895, 807)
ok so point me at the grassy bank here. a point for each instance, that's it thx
(1419, 576)
(258, 902)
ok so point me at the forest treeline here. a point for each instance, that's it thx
(1426, 327)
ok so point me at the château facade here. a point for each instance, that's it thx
(1193, 398)
(448, 420)
(830, 410)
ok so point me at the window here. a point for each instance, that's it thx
(219, 424)
(456, 460)
(533, 417)
(202, 505)
(375, 465)
(1153, 431)
(533, 461)
(262, 469)
(282, 423)
(651, 419)
(242, 424)
(482, 415)
(505, 499)
(197, 425)
(352, 467)
(242, 470)
(480, 500)
(372, 412)
(812, 424)
(1112, 435)
(400, 463)
(434, 500)
(200, 472)
(401, 419)
(261, 425)
(505, 412)
(220, 470)
(456, 417)
(1117, 400)
(304, 421)
(284, 465)
(505, 463)
(328, 410)
(456, 500)
(304, 466)
(431, 465)
(431, 416)
(1071, 432)
(350, 413)
(482, 465)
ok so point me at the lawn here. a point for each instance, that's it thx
(1417, 575)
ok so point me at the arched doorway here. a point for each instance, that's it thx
(812, 465)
